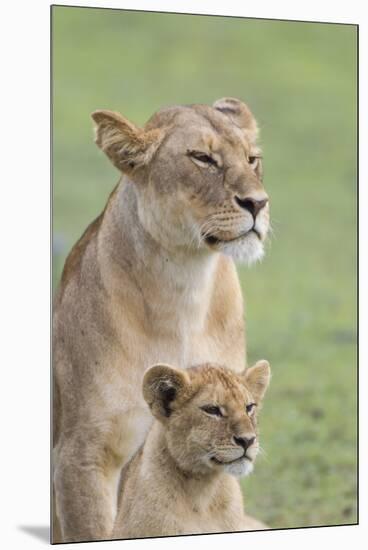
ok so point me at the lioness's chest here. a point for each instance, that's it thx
(185, 349)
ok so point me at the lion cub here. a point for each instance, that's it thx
(181, 481)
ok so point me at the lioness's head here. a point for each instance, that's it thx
(198, 174)
(209, 414)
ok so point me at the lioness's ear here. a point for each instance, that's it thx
(127, 146)
(163, 387)
(240, 114)
(257, 378)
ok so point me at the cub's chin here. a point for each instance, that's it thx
(248, 250)
(239, 468)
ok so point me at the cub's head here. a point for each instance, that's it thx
(209, 415)
(197, 171)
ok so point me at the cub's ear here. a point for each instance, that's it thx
(164, 387)
(257, 378)
(127, 146)
(240, 114)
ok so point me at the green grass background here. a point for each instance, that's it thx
(300, 81)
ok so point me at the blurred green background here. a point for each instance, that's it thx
(300, 81)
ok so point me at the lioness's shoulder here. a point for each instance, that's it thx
(73, 261)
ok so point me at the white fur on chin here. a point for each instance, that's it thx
(248, 250)
(239, 468)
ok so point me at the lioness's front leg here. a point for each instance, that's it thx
(85, 479)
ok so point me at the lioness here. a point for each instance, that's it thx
(181, 480)
(151, 280)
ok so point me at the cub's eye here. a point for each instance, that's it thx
(202, 157)
(212, 409)
(253, 160)
(250, 408)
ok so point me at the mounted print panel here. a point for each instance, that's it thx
(204, 268)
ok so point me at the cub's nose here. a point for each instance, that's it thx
(244, 442)
(252, 205)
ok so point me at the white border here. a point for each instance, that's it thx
(24, 233)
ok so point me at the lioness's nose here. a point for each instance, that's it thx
(244, 442)
(252, 205)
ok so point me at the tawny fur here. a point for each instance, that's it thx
(144, 285)
(172, 486)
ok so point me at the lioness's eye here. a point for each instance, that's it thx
(202, 157)
(253, 160)
(212, 409)
(250, 408)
